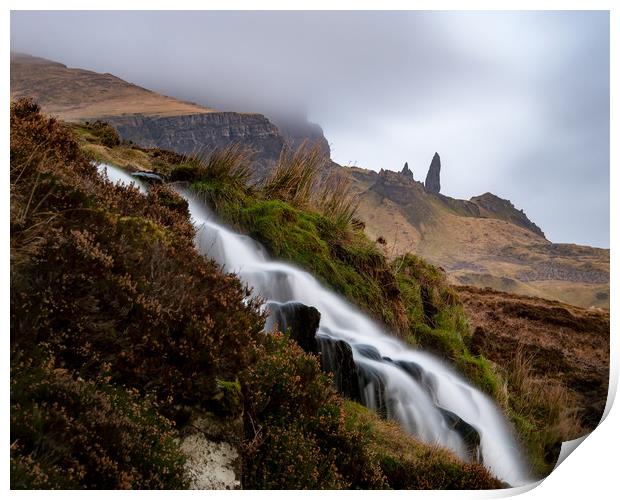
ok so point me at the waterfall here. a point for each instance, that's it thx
(428, 398)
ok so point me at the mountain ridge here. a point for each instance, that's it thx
(484, 241)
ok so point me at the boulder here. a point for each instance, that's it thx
(300, 321)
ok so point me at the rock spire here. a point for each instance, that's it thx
(432, 178)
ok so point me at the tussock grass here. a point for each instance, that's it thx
(293, 179)
(335, 200)
(231, 164)
(542, 410)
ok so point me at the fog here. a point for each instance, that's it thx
(516, 103)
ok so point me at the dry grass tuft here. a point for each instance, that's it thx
(293, 179)
(231, 164)
(335, 199)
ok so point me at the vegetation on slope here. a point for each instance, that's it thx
(302, 435)
(121, 332)
(410, 296)
(118, 327)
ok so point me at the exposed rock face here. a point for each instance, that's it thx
(210, 464)
(496, 207)
(187, 134)
(302, 323)
(432, 178)
(406, 172)
(296, 131)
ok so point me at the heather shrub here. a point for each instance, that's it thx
(107, 281)
(294, 423)
(70, 433)
(104, 132)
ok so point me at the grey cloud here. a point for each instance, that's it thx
(515, 102)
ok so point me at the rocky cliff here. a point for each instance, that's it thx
(195, 133)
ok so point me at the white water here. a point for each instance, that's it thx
(416, 403)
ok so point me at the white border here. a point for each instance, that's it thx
(587, 473)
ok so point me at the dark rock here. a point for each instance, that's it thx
(148, 177)
(467, 431)
(300, 321)
(499, 208)
(373, 389)
(432, 184)
(406, 172)
(337, 358)
(368, 351)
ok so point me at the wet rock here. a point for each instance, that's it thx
(148, 177)
(300, 321)
(432, 183)
(337, 358)
(470, 435)
(368, 351)
(373, 389)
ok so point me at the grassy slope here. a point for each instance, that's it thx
(349, 263)
(481, 251)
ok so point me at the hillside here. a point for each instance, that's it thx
(136, 363)
(76, 95)
(484, 241)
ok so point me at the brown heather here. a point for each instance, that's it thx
(106, 281)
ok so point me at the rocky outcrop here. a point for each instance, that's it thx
(406, 172)
(432, 183)
(296, 131)
(195, 133)
(499, 208)
(212, 446)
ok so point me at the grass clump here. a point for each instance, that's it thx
(543, 412)
(294, 177)
(335, 201)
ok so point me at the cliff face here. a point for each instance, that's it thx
(297, 130)
(195, 133)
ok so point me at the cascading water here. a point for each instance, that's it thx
(412, 387)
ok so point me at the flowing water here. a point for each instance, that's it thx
(416, 389)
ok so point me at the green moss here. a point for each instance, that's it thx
(228, 399)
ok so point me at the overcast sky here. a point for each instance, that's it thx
(516, 103)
